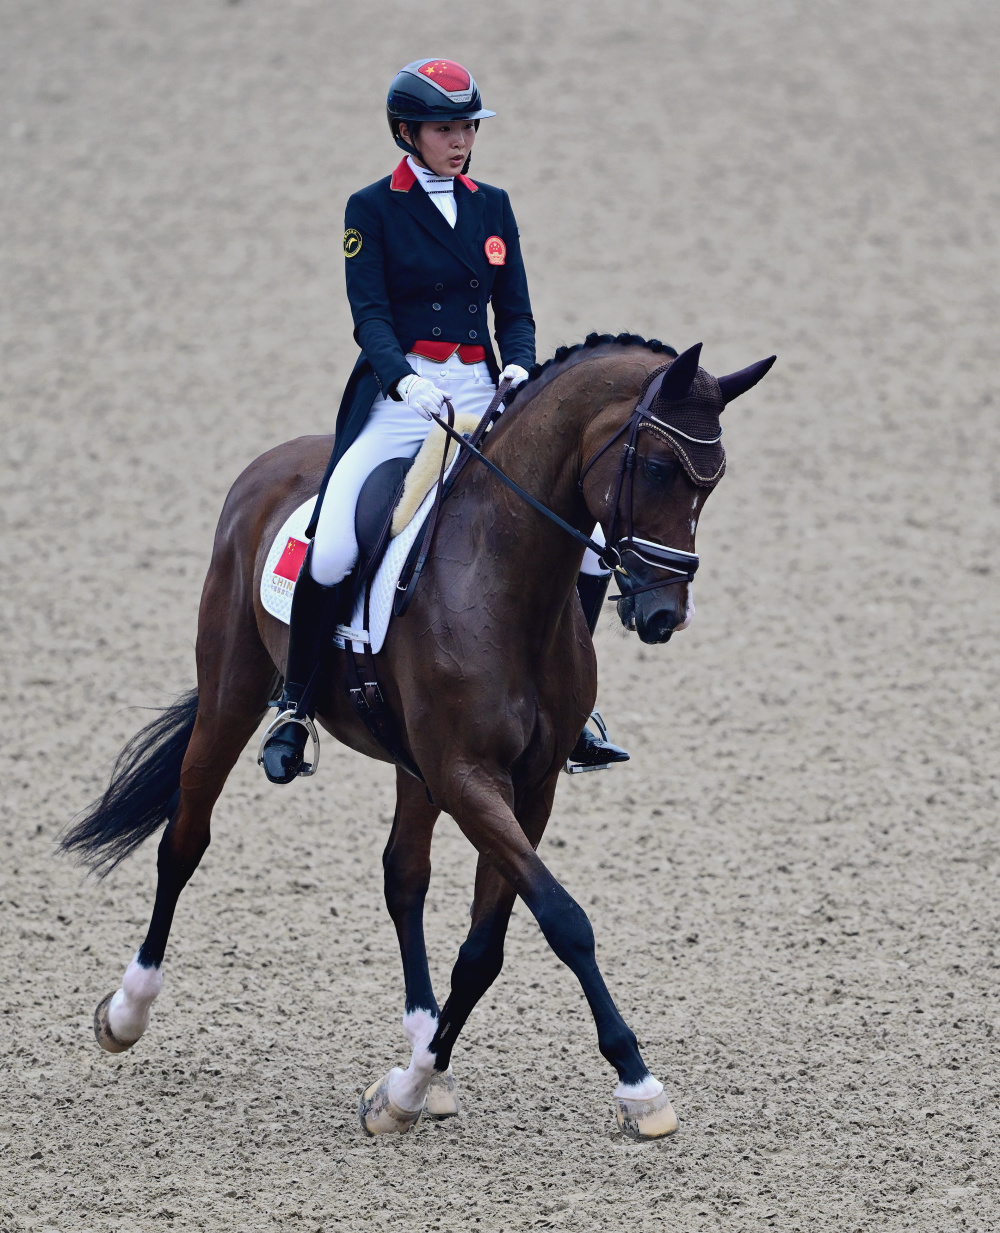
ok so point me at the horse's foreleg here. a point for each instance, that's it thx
(395, 1102)
(483, 810)
(480, 959)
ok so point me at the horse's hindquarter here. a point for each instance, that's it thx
(261, 498)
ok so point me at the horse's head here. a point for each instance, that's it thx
(649, 484)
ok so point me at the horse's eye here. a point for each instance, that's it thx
(657, 471)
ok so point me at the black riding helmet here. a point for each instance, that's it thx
(432, 90)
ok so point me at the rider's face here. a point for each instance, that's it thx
(443, 147)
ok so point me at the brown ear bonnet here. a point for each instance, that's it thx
(691, 427)
(685, 412)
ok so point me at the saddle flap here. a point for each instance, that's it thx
(378, 498)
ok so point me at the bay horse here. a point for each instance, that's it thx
(490, 675)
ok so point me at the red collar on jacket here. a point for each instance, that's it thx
(403, 179)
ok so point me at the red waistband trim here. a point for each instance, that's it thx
(441, 351)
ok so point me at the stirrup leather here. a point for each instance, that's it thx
(574, 768)
(289, 717)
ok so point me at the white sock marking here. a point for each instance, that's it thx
(128, 1014)
(648, 1089)
(408, 1088)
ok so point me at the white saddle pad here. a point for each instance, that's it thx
(285, 558)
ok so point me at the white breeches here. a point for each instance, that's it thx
(392, 430)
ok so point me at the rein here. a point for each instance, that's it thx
(413, 567)
(600, 549)
(675, 561)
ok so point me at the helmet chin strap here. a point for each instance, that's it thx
(404, 145)
(415, 153)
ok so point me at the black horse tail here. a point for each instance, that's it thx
(143, 792)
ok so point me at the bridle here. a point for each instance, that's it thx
(680, 565)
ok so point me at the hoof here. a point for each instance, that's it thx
(442, 1095)
(646, 1119)
(102, 1029)
(380, 1115)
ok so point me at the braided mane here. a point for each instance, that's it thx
(602, 340)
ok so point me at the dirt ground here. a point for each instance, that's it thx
(793, 883)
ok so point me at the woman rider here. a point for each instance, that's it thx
(426, 249)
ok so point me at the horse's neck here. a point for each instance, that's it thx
(540, 449)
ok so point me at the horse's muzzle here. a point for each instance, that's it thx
(651, 604)
(654, 615)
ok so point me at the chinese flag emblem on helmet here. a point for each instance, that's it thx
(446, 74)
(432, 90)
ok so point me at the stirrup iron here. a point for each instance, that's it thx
(574, 768)
(304, 721)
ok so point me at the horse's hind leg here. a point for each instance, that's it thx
(480, 959)
(394, 1103)
(235, 676)
(122, 1017)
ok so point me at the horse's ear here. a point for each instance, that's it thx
(679, 377)
(737, 383)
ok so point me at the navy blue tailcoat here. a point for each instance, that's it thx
(411, 277)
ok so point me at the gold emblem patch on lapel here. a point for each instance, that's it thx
(352, 242)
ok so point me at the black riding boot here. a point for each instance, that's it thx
(313, 607)
(592, 751)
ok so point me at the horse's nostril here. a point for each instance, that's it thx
(626, 612)
(659, 626)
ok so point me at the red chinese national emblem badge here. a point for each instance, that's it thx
(496, 250)
(451, 77)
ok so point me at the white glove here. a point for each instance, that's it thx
(422, 395)
(517, 374)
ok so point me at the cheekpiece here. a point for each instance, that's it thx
(691, 428)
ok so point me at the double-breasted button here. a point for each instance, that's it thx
(436, 331)
(436, 307)
(439, 286)
(474, 283)
(473, 334)
(473, 308)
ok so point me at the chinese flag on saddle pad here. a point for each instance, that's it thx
(290, 561)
